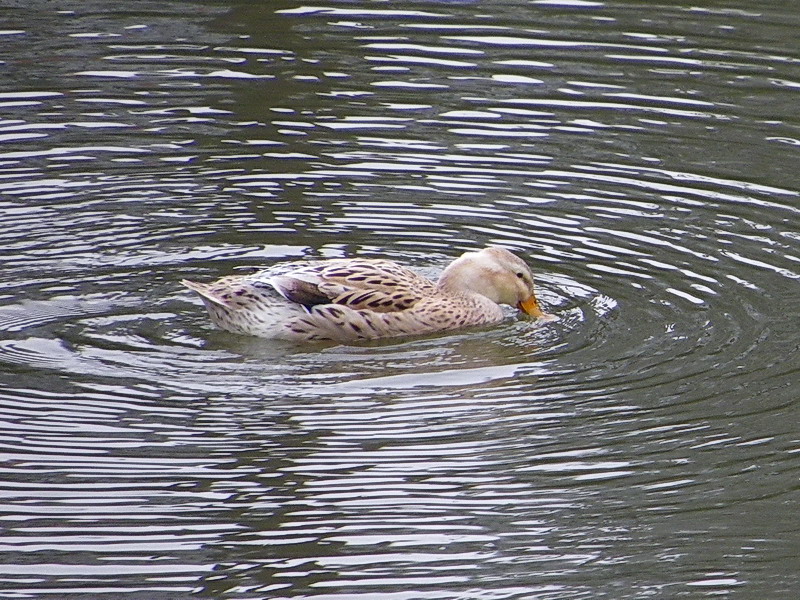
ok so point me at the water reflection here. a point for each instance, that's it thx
(639, 156)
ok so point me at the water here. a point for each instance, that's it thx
(642, 157)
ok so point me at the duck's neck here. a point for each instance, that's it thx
(463, 276)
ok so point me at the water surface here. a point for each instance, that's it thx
(641, 157)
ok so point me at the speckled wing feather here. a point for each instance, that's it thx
(360, 284)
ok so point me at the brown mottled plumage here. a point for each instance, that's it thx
(355, 299)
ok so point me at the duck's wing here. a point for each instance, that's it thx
(359, 284)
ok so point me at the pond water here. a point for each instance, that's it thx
(642, 157)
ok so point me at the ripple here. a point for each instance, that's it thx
(639, 158)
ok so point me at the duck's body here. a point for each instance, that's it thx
(348, 300)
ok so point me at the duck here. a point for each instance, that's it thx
(355, 299)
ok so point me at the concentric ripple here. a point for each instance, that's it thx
(641, 157)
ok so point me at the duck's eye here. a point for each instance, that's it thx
(521, 275)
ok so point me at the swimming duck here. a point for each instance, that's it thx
(352, 299)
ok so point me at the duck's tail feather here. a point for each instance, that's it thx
(206, 291)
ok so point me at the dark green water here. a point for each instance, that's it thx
(643, 158)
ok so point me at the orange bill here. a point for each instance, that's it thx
(531, 307)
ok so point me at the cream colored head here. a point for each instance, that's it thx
(495, 273)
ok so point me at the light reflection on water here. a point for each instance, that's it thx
(639, 156)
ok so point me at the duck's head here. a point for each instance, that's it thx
(496, 273)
